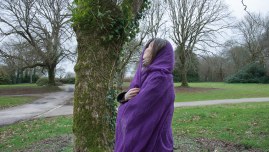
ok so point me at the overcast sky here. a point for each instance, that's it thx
(235, 6)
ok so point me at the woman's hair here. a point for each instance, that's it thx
(158, 44)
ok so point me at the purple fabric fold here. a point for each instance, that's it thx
(144, 123)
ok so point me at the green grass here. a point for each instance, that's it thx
(225, 91)
(28, 85)
(246, 124)
(24, 134)
(7, 101)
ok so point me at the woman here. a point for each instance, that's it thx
(145, 115)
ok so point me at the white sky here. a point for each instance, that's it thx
(258, 6)
(237, 8)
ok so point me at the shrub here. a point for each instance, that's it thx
(42, 81)
(45, 81)
(4, 77)
(251, 73)
(70, 80)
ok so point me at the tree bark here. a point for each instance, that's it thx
(91, 127)
(99, 46)
(184, 80)
(183, 66)
(51, 73)
(31, 75)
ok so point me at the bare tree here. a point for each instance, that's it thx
(251, 28)
(196, 23)
(43, 24)
(265, 37)
(18, 57)
(154, 23)
(151, 26)
(60, 72)
(235, 55)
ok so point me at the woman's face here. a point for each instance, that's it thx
(147, 57)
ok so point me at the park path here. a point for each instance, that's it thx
(54, 104)
(68, 109)
(223, 101)
(49, 102)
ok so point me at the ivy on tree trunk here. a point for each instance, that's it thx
(102, 27)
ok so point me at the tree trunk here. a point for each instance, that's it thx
(19, 76)
(101, 34)
(94, 68)
(31, 75)
(184, 80)
(51, 72)
(183, 67)
(34, 75)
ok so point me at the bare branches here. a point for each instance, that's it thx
(245, 6)
(195, 19)
(196, 24)
(252, 30)
(44, 24)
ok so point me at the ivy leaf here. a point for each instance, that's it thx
(99, 14)
(110, 37)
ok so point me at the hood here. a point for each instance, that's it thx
(164, 61)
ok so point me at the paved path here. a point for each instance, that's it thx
(54, 104)
(67, 110)
(224, 101)
(49, 104)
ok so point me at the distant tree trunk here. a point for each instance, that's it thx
(120, 78)
(19, 76)
(34, 75)
(31, 75)
(184, 80)
(183, 66)
(51, 73)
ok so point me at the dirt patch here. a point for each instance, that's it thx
(184, 143)
(193, 89)
(51, 144)
(218, 145)
(27, 90)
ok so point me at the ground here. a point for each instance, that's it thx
(55, 133)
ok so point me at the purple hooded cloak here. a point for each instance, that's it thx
(144, 123)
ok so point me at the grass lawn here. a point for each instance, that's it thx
(38, 133)
(244, 124)
(225, 91)
(7, 101)
(19, 85)
(19, 89)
